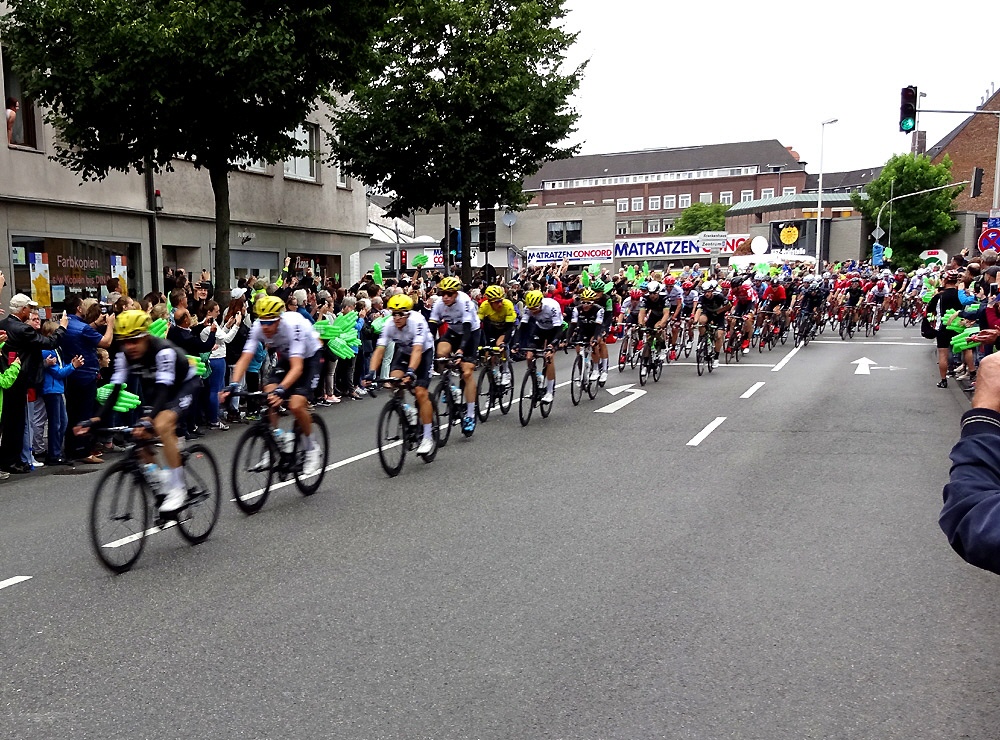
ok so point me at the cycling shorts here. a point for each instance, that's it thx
(535, 338)
(739, 310)
(402, 362)
(306, 383)
(469, 347)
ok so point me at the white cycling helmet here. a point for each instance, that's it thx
(826, 276)
(653, 287)
(710, 285)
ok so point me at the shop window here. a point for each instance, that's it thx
(303, 165)
(564, 232)
(24, 131)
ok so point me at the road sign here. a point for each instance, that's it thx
(989, 239)
(878, 233)
(993, 222)
(611, 408)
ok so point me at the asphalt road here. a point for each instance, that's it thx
(589, 576)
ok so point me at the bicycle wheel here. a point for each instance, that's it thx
(623, 353)
(576, 381)
(544, 408)
(657, 370)
(253, 468)
(506, 392)
(442, 402)
(689, 340)
(308, 485)
(636, 355)
(700, 357)
(644, 363)
(594, 387)
(204, 489)
(119, 517)
(391, 437)
(807, 334)
(529, 391)
(485, 393)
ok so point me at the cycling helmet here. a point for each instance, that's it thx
(402, 302)
(710, 285)
(589, 294)
(855, 280)
(450, 283)
(886, 273)
(494, 293)
(725, 284)
(826, 276)
(644, 285)
(653, 286)
(670, 281)
(598, 285)
(133, 324)
(533, 299)
(881, 284)
(269, 307)
(952, 276)
(635, 294)
(687, 285)
(900, 271)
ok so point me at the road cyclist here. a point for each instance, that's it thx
(461, 314)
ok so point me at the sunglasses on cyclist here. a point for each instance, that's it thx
(587, 303)
(268, 322)
(450, 293)
(496, 300)
(400, 314)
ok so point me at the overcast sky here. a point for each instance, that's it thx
(668, 73)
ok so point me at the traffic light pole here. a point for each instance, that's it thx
(878, 218)
(996, 165)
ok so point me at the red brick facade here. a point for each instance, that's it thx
(973, 146)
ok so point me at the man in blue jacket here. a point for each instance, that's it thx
(971, 514)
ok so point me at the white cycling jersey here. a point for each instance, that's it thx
(550, 317)
(415, 332)
(463, 310)
(295, 337)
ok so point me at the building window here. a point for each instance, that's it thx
(705, 197)
(654, 226)
(637, 204)
(635, 227)
(24, 132)
(623, 205)
(767, 193)
(303, 165)
(654, 202)
(669, 202)
(726, 198)
(684, 201)
(621, 228)
(564, 232)
(788, 191)
(668, 224)
(343, 181)
(746, 195)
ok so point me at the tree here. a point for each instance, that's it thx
(919, 222)
(132, 84)
(700, 217)
(469, 100)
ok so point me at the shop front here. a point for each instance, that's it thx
(50, 268)
(320, 266)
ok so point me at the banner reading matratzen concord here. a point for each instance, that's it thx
(576, 254)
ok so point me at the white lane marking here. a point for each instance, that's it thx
(731, 364)
(842, 343)
(611, 408)
(753, 389)
(139, 535)
(785, 359)
(14, 580)
(700, 436)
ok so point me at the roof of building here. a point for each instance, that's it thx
(765, 153)
(786, 202)
(942, 145)
(843, 181)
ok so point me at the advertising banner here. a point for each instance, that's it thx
(647, 247)
(41, 288)
(576, 254)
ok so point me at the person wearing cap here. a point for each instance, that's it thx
(88, 329)
(27, 344)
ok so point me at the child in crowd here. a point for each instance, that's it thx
(53, 387)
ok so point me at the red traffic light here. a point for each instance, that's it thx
(402, 259)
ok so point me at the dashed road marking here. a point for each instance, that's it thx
(703, 434)
(753, 389)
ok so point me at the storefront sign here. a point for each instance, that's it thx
(642, 248)
(583, 254)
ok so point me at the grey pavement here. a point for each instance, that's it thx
(589, 576)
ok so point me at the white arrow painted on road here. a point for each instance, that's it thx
(611, 408)
(864, 366)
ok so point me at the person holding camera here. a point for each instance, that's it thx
(86, 331)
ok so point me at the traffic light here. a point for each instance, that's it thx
(390, 260)
(977, 182)
(908, 109)
(487, 229)
(453, 241)
(402, 259)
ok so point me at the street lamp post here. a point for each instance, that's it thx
(819, 199)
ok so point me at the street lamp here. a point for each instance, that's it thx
(819, 199)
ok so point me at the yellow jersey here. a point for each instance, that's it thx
(505, 314)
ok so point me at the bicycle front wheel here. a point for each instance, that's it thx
(644, 363)
(529, 391)
(506, 392)
(657, 370)
(119, 517)
(442, 400)
(485, 392)
(576, 381)
(204, 489)
(308, 485)
(253, 468)
(699, 357)
(623, 353)
(391, 438)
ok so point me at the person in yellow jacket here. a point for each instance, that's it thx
(7, 378)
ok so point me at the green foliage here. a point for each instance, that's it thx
(471, 99)
(919, 222)
(700, 217)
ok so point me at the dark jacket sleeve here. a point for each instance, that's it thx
(971, 514)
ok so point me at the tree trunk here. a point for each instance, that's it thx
(463, 215)
(220, 278)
